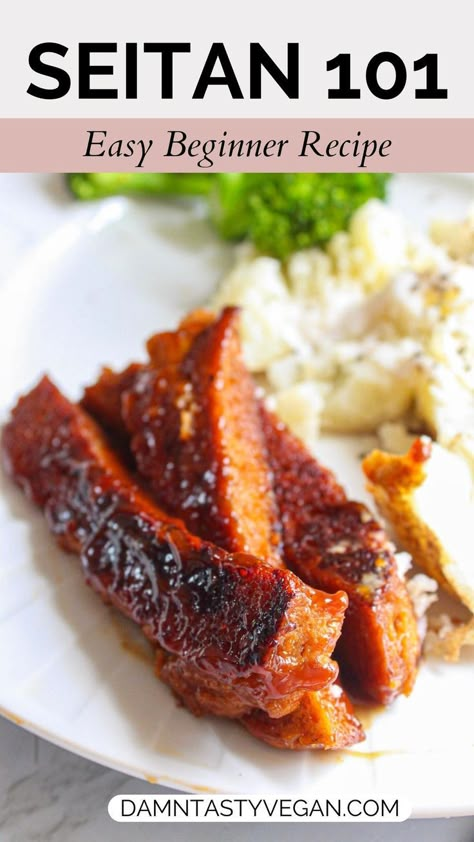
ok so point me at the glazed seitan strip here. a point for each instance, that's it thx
(333, 543)
(257, 632)
(196, 436)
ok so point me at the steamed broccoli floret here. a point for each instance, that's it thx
(291, 212)
(229, 205)
(279, 212)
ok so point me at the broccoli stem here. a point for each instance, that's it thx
(99, 185)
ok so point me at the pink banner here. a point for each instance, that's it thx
(233, 145)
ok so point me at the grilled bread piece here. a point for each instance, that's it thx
(325, 721)
(196, 435)
(410, 491)
(254, 633)
(333, 543)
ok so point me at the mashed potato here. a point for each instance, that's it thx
(457, 238)
(377, 328)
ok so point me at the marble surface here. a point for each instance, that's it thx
(50, 795)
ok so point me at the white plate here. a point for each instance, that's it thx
(70, 669)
